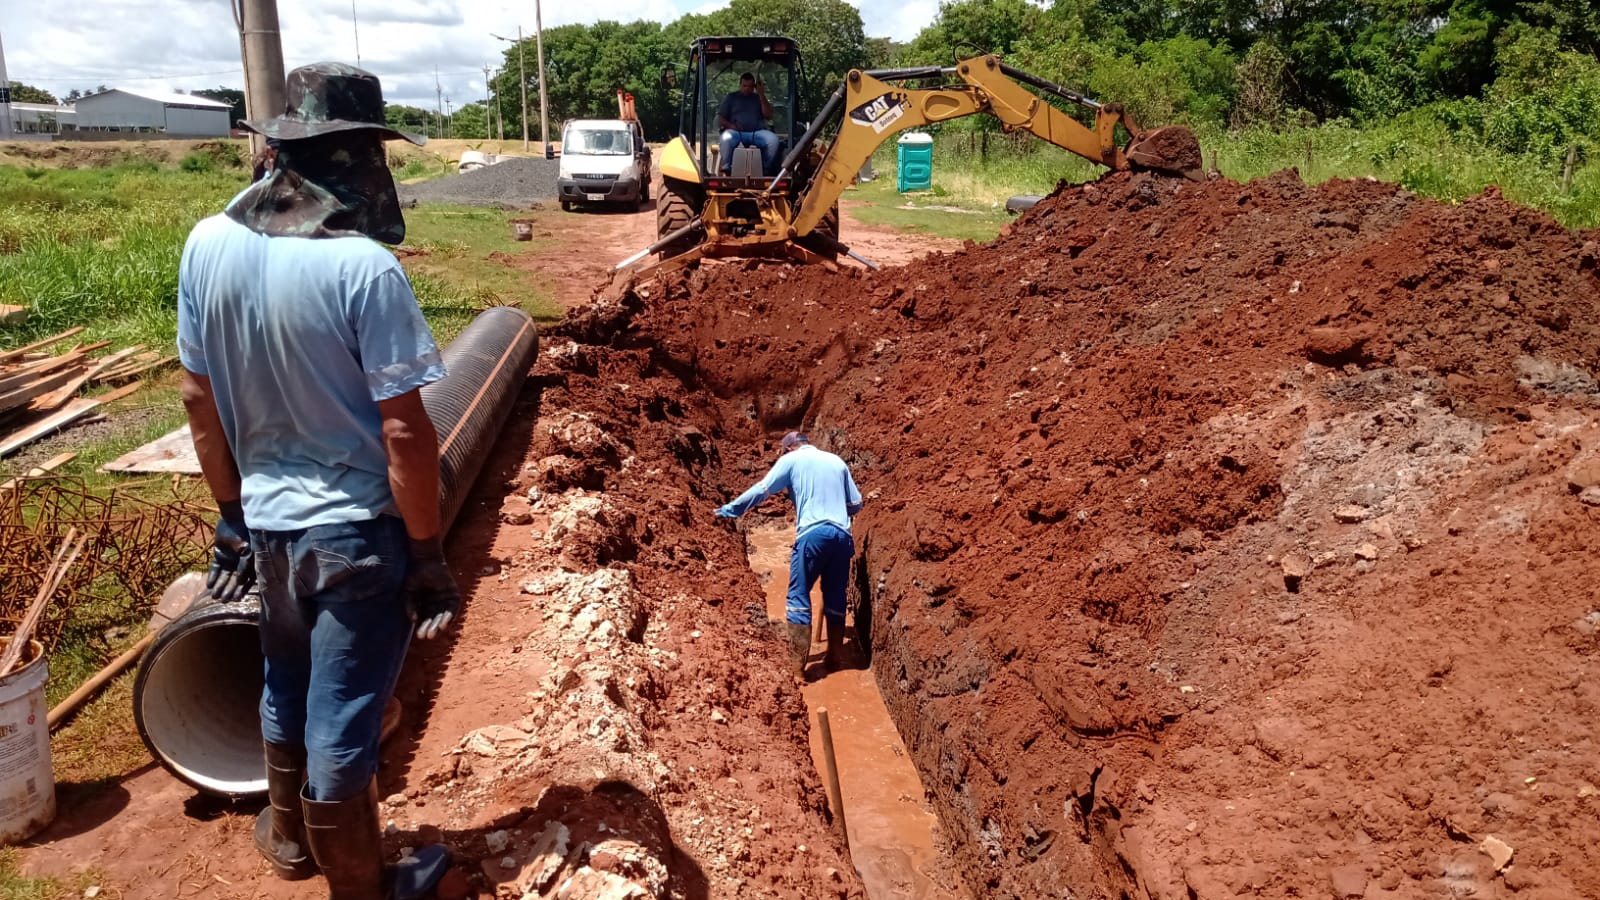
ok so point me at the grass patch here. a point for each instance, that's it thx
(925, 212)
(458, 260)
(16, 886)
(1423, 151)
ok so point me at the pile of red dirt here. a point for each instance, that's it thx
(1223, 539)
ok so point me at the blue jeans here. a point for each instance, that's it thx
(766, 140)
(823, 551)
(334, 631)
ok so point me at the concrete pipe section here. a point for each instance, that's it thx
(197, 693)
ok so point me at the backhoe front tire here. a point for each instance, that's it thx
(675, 208)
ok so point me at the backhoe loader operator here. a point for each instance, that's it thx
(825, 497)
(743, 116)
(303, 351)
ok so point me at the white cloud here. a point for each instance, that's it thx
(192, 44)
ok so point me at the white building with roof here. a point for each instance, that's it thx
(42, 118)
(125, 109)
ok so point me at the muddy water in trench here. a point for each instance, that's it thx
(891, 827)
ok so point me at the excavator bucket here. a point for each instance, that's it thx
(1171, 148)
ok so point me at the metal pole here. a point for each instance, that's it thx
(544, 115)
(263, 62)
(5, 97)
(488, 109)
(523, 75)
(355, 26)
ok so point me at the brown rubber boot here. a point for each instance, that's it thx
(835, 660)
(347, 844)
(800, 644)
(280, 828)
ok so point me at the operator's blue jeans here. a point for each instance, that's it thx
(334, 630)
(766, 140)
(823, 551)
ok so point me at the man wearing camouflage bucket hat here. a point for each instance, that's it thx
(304, 350)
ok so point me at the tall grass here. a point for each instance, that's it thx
(100, 248)
(1418, 151)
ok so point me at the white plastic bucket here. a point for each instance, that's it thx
(27, 784)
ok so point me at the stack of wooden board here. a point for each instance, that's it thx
(39, 389)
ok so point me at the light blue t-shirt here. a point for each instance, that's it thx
(818, 482)
(300, 338)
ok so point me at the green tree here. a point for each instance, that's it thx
(231, 96)
(1544, 100)
(411, 118)
(27, 93)
(830, 34)
(969, 28)
(470, 121)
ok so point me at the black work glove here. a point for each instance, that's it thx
(431, 594)
(233, 566)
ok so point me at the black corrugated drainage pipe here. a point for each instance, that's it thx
(196, 695)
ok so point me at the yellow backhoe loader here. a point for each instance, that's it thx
(709, 207)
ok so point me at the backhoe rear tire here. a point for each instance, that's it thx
(675, 208)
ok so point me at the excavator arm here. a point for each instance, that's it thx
(875, 110)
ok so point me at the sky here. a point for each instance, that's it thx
(192, 44)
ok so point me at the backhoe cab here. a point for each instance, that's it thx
(795, 214)
(729, 210)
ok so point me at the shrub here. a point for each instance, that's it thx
(1545, 100)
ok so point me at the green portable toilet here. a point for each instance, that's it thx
(915, 162)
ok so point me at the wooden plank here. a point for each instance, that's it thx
(48, 384)
(33, 431)
(172, 452)
(125, 373)
(60, 395)
(45, 342)
(112, 360)
(21, 374)
(75, 409)
(124, 367)
(119, 393)
(11, 314)
(41, 470)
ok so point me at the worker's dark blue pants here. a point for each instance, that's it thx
(823, 551)
(334, 630)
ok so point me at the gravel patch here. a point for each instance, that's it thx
(513, 183)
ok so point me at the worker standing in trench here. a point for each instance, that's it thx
(304, 350)
(825, 497)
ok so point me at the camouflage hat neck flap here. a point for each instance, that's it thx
(333, 186)
(328, 97)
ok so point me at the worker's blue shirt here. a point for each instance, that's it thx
(818, 482)
(743, 110)
(300, 338)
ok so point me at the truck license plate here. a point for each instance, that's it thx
(595, 196)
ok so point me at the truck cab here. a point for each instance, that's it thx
(603, 161)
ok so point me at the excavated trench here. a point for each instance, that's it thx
(1222, 538)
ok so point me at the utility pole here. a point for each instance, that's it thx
(438, 104)
(522, 73)
(488, 109)
(5, 97)
(262, 49)
(356, 27)
(544, 115)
